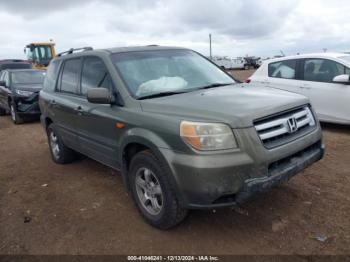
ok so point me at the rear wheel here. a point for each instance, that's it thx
(153, 193)
(246, 67)
(14, 115)
(61, 154)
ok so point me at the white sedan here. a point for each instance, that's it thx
(324, 78)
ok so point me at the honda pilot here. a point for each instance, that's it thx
(184, 134)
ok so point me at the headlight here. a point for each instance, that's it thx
(207, 136)
(24, 93)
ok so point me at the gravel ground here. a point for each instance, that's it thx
(82, 208)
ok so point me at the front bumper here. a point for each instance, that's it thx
(27, 106)
(281, 171)
(230, 178)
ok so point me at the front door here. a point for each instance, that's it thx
(330, 100)
(5, 91)
(98, 134)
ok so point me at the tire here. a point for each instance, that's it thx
(2, 112)
(60, 153)
(163, 210)
(14, 115)
(246, 67)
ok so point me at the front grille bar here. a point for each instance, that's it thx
(284, 125)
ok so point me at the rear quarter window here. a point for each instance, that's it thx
(282, 69)
(51, 76)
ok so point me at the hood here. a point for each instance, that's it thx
(28, 87)
(237, 105)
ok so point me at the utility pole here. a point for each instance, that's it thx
(210, 47)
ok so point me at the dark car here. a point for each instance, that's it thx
(19, 93)
(252, 62)
(184, 133)
(14, 64)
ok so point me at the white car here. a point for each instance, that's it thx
(324, 78)
(229, 63)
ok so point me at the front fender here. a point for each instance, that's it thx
(150, 140)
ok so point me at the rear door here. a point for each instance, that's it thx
(66, 103)
(330, 100)
(284, 75)
(98, 135)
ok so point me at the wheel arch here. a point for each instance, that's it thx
(138, 142)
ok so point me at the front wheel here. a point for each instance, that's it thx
(153, 193)
(246, 67)
(14, 115)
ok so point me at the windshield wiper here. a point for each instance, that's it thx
(214, 85)
(167, 93)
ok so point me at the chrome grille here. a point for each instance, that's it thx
(282, 128)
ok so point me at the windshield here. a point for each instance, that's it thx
(345, 58)
(152, 72)
(39, 54)
(28, 77)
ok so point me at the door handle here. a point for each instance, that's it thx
(305, 87)
(80, 110)
(53, 103)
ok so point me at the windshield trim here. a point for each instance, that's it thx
(134, 96)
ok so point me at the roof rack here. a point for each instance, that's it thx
(72, 50)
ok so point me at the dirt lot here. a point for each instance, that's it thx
(82, 208)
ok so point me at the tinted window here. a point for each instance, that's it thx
(283, 69)
(69, 77)
(50, 79)
(28, 77)
(322, 70)
(94, 74)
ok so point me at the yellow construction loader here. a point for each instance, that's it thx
(40, 54)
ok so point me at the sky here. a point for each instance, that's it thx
(238, 27)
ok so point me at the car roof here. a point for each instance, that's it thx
(13, 61)
(311, 55)
(24, 70)
(119, 50)
(141, 48)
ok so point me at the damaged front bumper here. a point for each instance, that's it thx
(27, 106)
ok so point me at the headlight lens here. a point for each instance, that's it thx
(207, 136)
(24, 93)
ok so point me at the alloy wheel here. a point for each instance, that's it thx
(55, 148)
(149, 191)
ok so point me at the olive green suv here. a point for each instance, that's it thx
(183, 133)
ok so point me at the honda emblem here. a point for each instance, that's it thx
(292, 124)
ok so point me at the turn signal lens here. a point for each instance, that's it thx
(207, 136)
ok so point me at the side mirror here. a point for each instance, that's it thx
(99, 95)
(342, 79)
(2, 83)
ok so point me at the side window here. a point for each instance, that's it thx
(347, 71)
(7, 79)
(69, 78)
(94, 74)
(322, 70)
(51, 76)
(283, 69)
